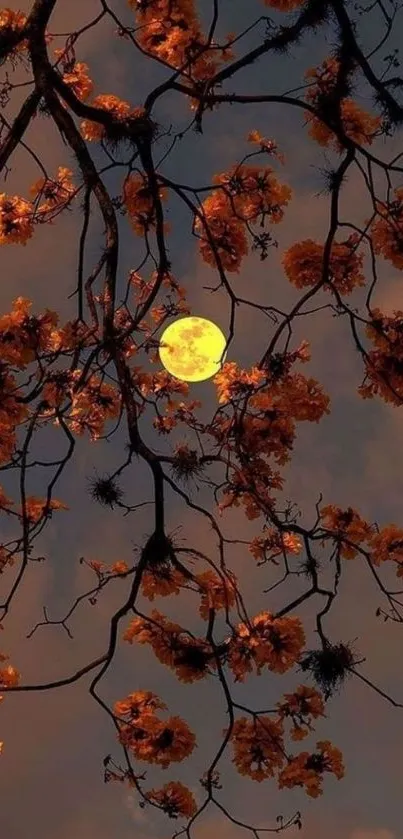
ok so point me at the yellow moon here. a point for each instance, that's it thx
(191, 348)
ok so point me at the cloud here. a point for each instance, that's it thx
(367, 833)
(312, 828)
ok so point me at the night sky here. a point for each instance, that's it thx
(51, 774)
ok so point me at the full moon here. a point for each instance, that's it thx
(191, 349)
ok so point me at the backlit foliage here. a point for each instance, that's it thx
(303, 265)
(249, 194)
(357, 123)
(87, 377)
(387, 230)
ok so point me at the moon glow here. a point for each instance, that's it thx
(191, 348)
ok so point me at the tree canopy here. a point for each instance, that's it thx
(99, 373)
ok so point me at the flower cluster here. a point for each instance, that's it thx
(281, 398)
(75, 75)
(174, 799)
(102, 570)
(149, 738)
(155, 741)
(387, 544)
(190, 658)
(302, 706)
(384, 365)
(171, 31)
(259, 750)
(346, 524)
(16, 220)
(57, 193)
(274, 543)
(92, 405)
(18, 216)
(215, 592)
(275, 643)
(251, 487)
(258, 747)
(119, 109)
(306, 770)
(11, 22)
(13, 412)
(139, 203)
(357, 124)
(387, 231)
(303, 265)
(247, 195)
(35, 508)
(23, 336)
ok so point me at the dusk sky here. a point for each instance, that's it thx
(51, 773)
